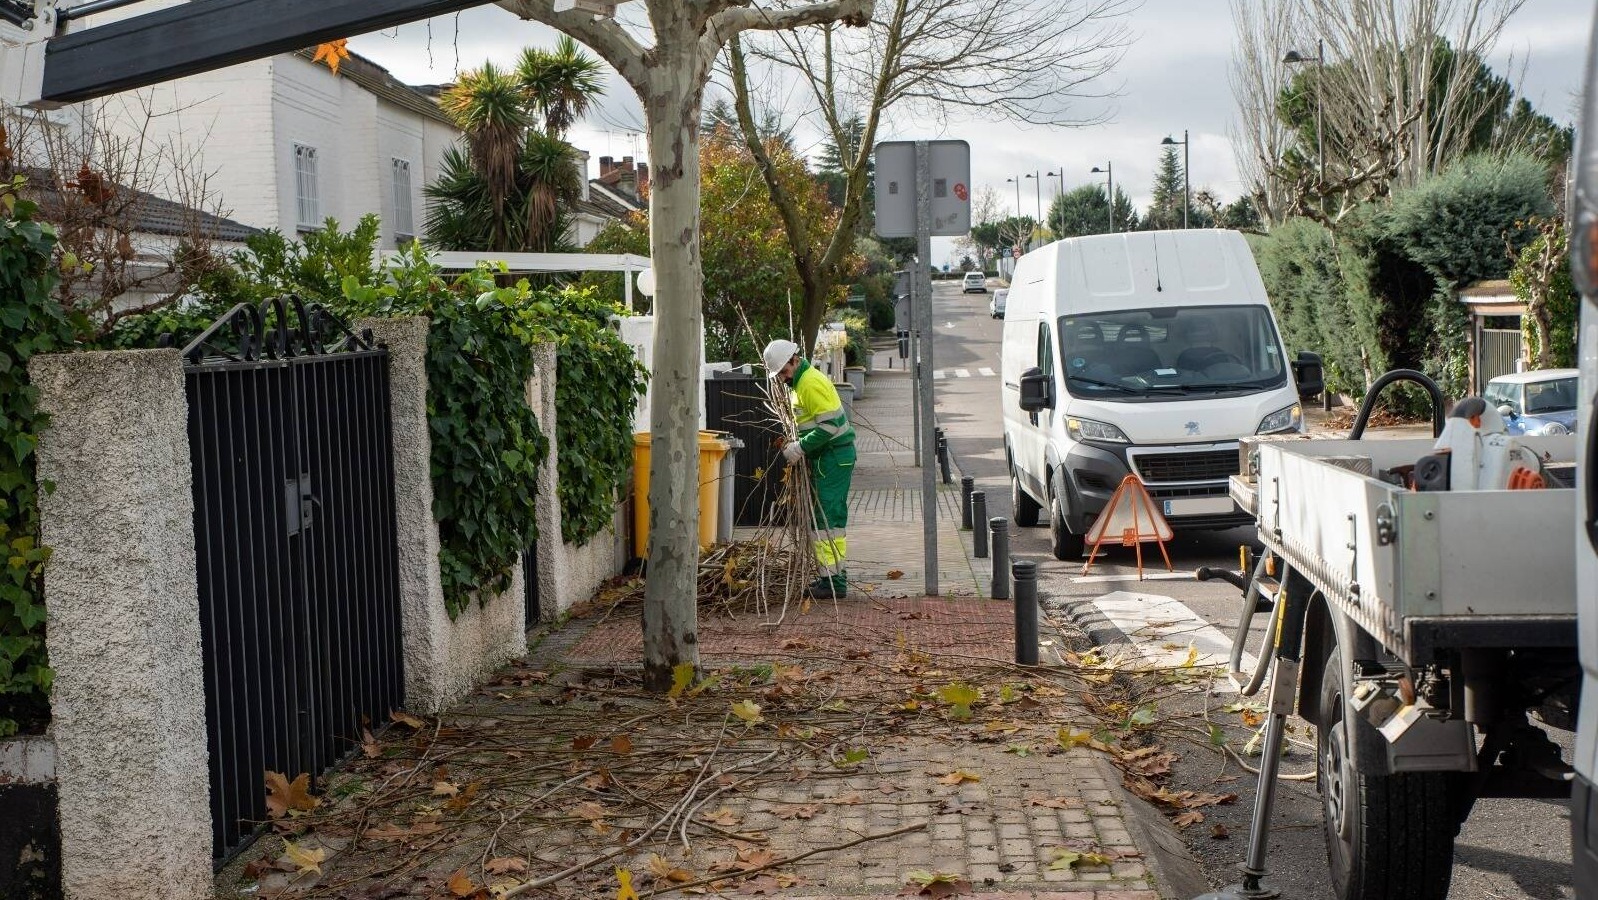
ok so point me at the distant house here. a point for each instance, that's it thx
(1497, 344)
(617, 193)
(287, 143)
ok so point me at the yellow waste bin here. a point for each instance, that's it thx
(711, 449)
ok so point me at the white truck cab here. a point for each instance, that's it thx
(1149, 353)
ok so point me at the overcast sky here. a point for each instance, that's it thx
(1173, 76)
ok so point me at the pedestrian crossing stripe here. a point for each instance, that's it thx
(985, 372)
(962, 373)
(941, 374)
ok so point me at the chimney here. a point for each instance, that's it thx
(629, 178)
(606, 163)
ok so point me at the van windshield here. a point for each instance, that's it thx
(1171, 353)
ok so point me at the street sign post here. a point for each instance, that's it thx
(923, 189)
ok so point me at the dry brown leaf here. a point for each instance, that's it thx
(1191, 817)
(959, 776)
(369, 744)
(621, 745)
(588, 809)
(887, 787)
(895, 574)
(1219, 832)
(308, 860)
(794, 810)
(751, 858)
(284, 797)
(506, 865)
(583, 741)
(1055, 802)
(405, 718)
(663, 870)
(1251, 718)
(460, 885)
(723, 817)
(444, 789)
(852, 798)
(465, 797)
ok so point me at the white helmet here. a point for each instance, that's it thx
(777, 354)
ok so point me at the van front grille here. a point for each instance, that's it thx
(1202, 465)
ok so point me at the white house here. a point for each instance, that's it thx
(287, 143)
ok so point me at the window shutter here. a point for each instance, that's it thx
(307, 199)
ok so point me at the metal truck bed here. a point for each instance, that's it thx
(1419, 571)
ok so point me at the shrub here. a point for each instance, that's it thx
(31, 322)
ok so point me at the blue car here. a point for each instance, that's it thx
(1536, 402)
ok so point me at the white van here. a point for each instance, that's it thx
(1148, 353)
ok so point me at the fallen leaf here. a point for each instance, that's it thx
(1251, 718)
(285, 798)
(750, 859)
(460, 885)
(465, 797)
(959, 776)
(588, 809)
(852, 798)
(1055, 802)
(895, 574)
(959, 697)
(682, 675)
(724, 817)
(934, 884)
(625, 891)
(308, 860)
(794, 810)
(1191, 817)
(621, 745)
(851, 757)
(405, 718)
(887, 788)
(369, 744)
(584, 741)
(1219, 832)
(444, 789)
(748, 711)
(1065, 858)
(1021, 750)
(797, 644)
(1069, 737)
(506, 865)
(1143, 716)
(663, 870)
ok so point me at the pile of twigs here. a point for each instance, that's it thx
(788, 562)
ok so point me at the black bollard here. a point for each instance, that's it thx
(979, 522)
(966, 485)
(1025, 573)
(1001, 557)
(943, 460)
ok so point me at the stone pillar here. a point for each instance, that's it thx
(443, 658)
(551, 551)
(128, 705)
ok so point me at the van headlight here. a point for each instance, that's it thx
(1554, 428)
(1288, 418)
(1089, 430)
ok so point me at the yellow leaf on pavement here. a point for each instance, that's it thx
(682, 675)
(1069, 737)
(308, 859)
(625, 879)
(747, 710)
(960, 776)
(460, 885)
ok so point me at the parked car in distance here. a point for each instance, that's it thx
(996, 305)
(1542, 402)
(975, 282)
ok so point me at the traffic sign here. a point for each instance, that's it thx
(896, 188)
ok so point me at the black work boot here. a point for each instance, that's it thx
(826, 588)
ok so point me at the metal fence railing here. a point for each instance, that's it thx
(297, 560)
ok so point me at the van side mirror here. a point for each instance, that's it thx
(1310, 374)
(1037, 390)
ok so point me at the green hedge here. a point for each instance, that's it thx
(31, 322)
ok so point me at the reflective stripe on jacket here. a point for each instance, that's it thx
(818, 412)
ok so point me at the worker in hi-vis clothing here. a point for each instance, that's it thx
(826, 439)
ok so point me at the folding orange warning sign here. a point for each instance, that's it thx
(1130, 519)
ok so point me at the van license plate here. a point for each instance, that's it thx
(1200, 506)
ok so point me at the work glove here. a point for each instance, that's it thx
(792, 452)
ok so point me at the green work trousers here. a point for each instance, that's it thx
(830, 473)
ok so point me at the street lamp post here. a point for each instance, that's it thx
(1037, 184)
(1109, 173)
(1186, 183)
(1293, 57)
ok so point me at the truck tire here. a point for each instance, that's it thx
(1066, 546)
(1022, 505)
(1388, 837)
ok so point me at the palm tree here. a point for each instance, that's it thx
(560, 83)
(508, 188)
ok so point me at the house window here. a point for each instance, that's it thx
(307, 195)
(404, 222)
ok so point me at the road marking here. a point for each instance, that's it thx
(1132, 576)
(948, 324)
(962, 373)
(937, 375)
(1163, 628)
(985, 372)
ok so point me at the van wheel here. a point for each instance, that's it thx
(1066, 545)
(1025, 509)
(1387, 836)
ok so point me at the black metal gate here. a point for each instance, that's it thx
(289, 431)
(736, 403)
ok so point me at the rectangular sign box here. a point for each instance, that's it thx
(896, 188)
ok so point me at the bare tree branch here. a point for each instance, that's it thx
(602, 35)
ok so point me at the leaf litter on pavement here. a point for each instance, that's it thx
(556, 783)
